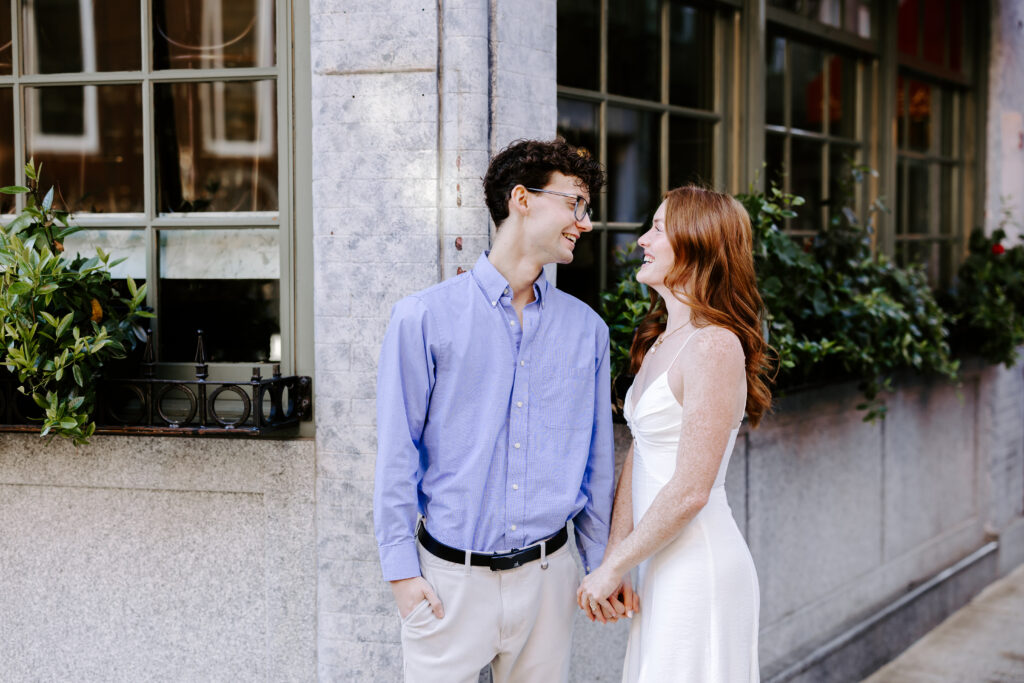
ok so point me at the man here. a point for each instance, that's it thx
(494, 424)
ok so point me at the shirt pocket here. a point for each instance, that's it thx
(566, 397)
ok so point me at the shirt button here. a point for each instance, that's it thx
(516, 444)
(515, 487)
(512, 323)
(522, 362)
(494, 303)
(519, 404)
(513, 527)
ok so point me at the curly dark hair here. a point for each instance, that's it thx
(531, 163)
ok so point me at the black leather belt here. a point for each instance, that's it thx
(496, 561)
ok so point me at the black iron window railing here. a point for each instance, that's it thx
(146, 404)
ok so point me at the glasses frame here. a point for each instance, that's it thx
(588, 211)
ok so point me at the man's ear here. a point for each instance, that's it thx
(518, 200)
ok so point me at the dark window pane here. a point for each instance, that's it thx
(907, 29)
(825, 11)
(841, 186)
(949, 191)
(842, 101)
(691, 56)
(216, 146)
(634, 48)
(805, 175)
(194, 34)
(901, 111)
(919, 252)
(71, 36)
(577, 123)
(225, 282)
(920, 133)
(632, 164)
(5, 38)
(805, 68)
(580, 278)
(690, 151)
(7, 162)
(916, 198)
(775, 82)
(774, 151)
(89, 140)
(858, 17)
(579, 42)
(934, 38)
(947, 114)
(956, 35)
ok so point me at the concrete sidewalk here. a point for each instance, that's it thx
(982, 642)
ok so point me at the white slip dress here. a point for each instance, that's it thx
(699, 599)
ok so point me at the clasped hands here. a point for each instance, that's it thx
(605, 597)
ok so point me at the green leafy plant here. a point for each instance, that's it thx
(987, 298)
(61, 320)
(624, 309)
(832, 309)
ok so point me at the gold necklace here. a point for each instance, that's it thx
(662, 337)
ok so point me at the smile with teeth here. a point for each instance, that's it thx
(571, 238)
(648, 259)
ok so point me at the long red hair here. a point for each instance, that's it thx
(714, 274)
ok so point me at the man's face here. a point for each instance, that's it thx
(551, 228)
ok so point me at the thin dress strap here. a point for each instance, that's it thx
(692, 335)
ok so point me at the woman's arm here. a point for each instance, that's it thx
(622, 508)
(712, 402)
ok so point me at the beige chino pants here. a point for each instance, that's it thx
(518, 620)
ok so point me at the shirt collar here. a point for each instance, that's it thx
(493, 284)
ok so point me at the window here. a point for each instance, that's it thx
(813, 125)
(639, 87)
(161, 124)
(932, 105)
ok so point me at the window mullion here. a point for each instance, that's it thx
(16, 100)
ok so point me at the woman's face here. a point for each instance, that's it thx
(658, 256)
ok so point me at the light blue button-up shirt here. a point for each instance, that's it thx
(497, 435)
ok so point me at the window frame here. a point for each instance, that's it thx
(292, 77)
(725, 172)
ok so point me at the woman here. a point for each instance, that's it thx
(699, 360)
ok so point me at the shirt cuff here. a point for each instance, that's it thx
(400, 561)
(591, 553)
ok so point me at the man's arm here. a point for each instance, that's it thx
(405, 378)
(593, 522)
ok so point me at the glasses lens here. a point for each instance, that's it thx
(582, 209)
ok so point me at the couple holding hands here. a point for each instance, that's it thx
(494, 431)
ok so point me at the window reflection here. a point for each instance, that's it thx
(6, 50)
(225, 282)
(825, 11)
(7, 163)
(205, 34)
(690, 146)
(691, 56)
(920, 110)
(805, 68)
(129, 245)
(634, 48)
(775, 82)
(632, 164)
(74, 36)
(216, 146)
(805, 175)
(579, 42)
(89, 139)
(577, 123)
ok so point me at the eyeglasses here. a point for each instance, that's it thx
(580, 210)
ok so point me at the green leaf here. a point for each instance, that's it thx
(77, 372)
(15, 189)
(48, 200)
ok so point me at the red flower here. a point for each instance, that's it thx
(998, 249)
